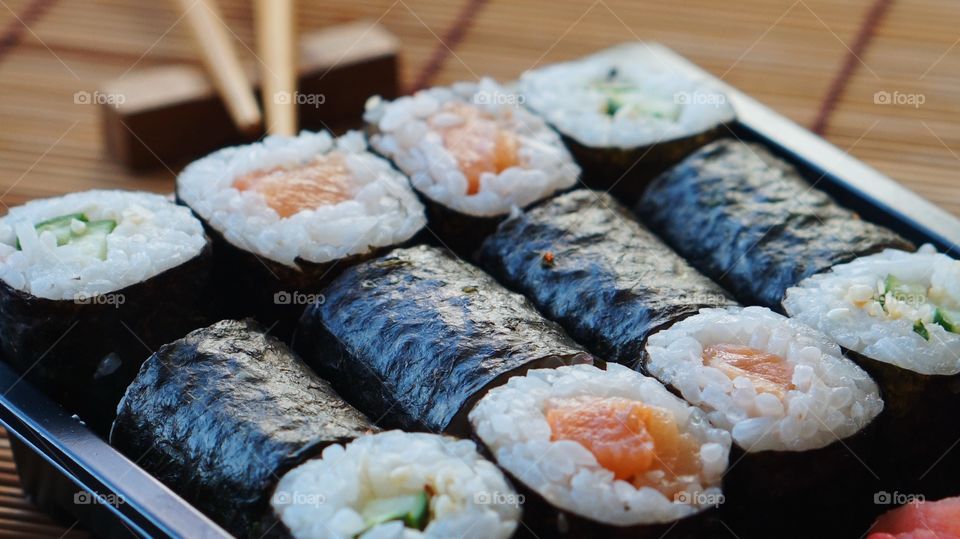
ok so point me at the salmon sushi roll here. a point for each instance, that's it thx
(472, 153)
(898, 313)
(626, 113)
(288, 213)
(800, 414)
(607, 453)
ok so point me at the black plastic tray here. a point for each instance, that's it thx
(75, 475)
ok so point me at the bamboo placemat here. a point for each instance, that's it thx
(819, 62)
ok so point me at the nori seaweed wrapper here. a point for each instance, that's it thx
(626, 172)
(586, 263)
(221, 414)
(752, 223)
(83, 353)
(917, 451)
(250, 285)
(801, 494)
(415, 337)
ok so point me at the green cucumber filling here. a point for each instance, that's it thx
(624, 95)
(920, 329)
(898, 298)
(77, 229)
(412, 509)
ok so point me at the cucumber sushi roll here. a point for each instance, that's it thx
(626, 114)
(604, 453)
(473, 153)
(898, 313)
(751, 222)
(416, 336)
(446, 489)
(586, 263)
(221, 414)
(90, 282)
(288, 213)
(800, 414)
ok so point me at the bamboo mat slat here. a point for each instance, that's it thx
(915, 52)
(786, 53)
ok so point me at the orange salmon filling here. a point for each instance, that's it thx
(478, 144)
(769, 373)
(637, 442)
(323, 181)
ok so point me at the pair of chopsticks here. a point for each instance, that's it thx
(275, 48)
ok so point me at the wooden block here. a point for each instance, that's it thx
(170, 115)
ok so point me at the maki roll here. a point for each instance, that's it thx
(800, 415)
(90, 284)
(626, 114)
(898, 313)
(584, 262)
(445, 489)
(473, 153)
(415, 337)
(749, 221)
(288, 213)
(220, 414)
(604, 453)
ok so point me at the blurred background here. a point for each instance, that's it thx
(878, 78)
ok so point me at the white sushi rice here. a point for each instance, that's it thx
(844, 304)
(323, 498)
(152, 235)
(511, 422)
(384, 210)
(405, 136)
(665, 103)
(832, 397)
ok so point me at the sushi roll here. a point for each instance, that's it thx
(90, 284)
(898, 313)
(626, 114)
(586, 263)
(800, 414)
(472, 153)
(286, 214)
(416, 336)
(446, 489)
(918, 519)
(221, 414)
(604, 453)
(750, 221)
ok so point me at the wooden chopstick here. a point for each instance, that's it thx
(222, 63)
(274, 21)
